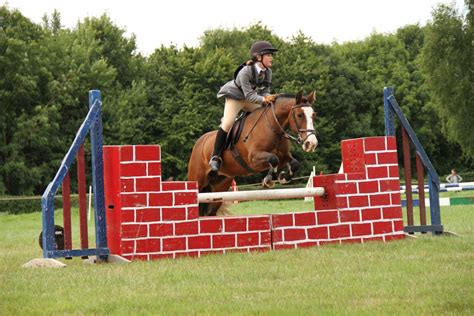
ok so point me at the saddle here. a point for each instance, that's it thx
(234, 136)
(236, 130)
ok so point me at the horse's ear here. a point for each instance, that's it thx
(299, 97)
(312, 97)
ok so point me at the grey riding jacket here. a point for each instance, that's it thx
(246, 87)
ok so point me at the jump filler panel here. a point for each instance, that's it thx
(148, 218)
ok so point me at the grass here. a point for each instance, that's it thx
(428, 275)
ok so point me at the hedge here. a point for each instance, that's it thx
(19, 205)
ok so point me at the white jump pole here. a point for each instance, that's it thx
(309, 184)
(297, 193)
(90, 203)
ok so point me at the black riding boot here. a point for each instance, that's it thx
(216, 160)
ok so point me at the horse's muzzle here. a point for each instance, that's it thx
(310, 143)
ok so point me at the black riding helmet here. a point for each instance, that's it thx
(262, 48)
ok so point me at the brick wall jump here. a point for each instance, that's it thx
(148, 218)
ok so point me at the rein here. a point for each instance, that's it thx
(284, 133)
(255, 124)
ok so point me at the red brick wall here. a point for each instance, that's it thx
(148, 218)
(362, 204)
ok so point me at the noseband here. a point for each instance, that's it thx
(299, 139)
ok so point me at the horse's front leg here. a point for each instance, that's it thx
(285, 177)
(263, 160)
(292, 165)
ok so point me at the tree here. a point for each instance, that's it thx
(23, 81)
(447, 59)
(45, 73)
(169, 98)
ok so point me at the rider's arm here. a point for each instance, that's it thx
(243, 80)
(268, 78)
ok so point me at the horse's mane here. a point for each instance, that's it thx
(289, 96)
(286, 95)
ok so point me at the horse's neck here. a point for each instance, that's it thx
(282, 111)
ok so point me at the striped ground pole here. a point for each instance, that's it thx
(445, 201)
(444, 187)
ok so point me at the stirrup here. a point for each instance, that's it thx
(215, 163)
(215, 158)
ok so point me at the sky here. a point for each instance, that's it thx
(180, 22)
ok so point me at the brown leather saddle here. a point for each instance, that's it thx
(234, 136)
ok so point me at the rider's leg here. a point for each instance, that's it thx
(219, 144)
(231, 109)
(250, 107)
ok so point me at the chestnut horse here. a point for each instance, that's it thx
(264, 145)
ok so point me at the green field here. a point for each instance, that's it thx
(428, 275)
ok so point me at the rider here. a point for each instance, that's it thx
(248, 91)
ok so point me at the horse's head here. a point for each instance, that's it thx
(302, 121)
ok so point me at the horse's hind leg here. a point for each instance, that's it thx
(206, 209)
(220, 184)
(209, 209)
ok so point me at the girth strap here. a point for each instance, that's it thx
(240, 160)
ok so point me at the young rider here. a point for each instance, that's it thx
(249, 90)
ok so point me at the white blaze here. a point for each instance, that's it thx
(308, 112)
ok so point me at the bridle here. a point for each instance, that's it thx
(283, 133)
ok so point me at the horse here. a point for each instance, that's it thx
(266, 145)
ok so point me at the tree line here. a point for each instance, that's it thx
(169, 97)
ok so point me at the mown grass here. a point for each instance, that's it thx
(428, 275)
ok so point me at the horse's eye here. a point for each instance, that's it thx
(300, 115)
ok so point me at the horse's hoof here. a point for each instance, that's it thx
(268, 182)
(269, 185)
(284, 178)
